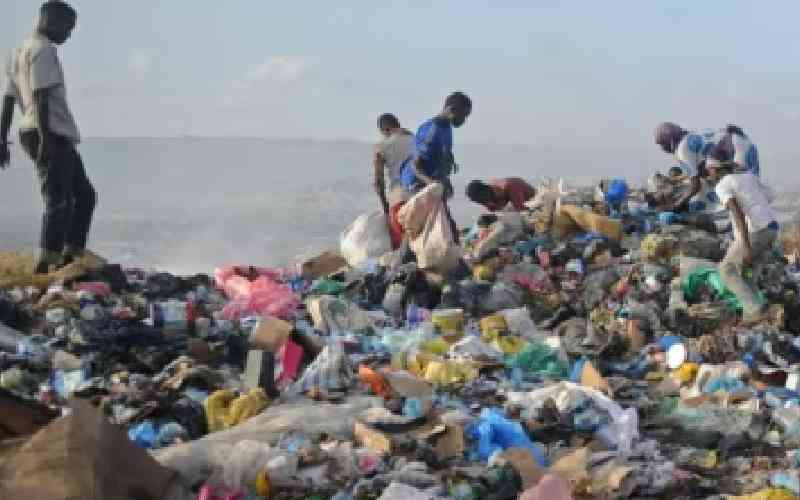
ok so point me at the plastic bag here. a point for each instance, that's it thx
(196, 460)
(366, 238)
(503, 295)
(620, 432)
(263, 295)
(428, 228)
(332, 314)
(414, 214)
(435, 246)
(225, 410)
(507, 229)
(247, 458)
(540, 359)
(494, 432)
(709, 277)
(519, 322)
(330, 371)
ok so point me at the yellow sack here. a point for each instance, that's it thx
(768, 494)
(225, 410)
(16, 269)
(686, 372)
(449, 372)
(570, 219)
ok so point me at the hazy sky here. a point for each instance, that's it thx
(545, 73)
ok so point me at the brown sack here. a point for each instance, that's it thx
(570, 218)
(322, 265)
(19, 417)
(84, 457)
(270, 334)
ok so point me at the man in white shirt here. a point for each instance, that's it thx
(396, 147)
(35, 81)
(755, 228)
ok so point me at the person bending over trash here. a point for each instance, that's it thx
(433, 159)
(497, 194)
(49, 135)
(736, 145)
(688, 149)
(396, 147)
(755, 229)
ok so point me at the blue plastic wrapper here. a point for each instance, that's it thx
(788, 480)
(668, 217)
(617, 191)
(66, 381)
(577, 370)
(696, 206)
(412, 408)
(144, 434)
(169, 434)
(727, 384)
(494, 432)
(668, 341)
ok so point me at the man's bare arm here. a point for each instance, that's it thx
(740, 229)
(380, 182)
(684, 200)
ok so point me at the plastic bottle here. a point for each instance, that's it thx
(412, 408)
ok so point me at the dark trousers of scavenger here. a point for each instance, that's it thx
(69, 197)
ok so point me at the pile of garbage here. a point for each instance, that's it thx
(578, 349)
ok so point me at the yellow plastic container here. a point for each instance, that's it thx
(436, 346)
(450, 323)
(483, 272)
(493, 325)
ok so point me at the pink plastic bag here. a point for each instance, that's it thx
(96, 288)
(209, 492)
(224, 274)
(291, 355)
(263, 295)
(260, 297)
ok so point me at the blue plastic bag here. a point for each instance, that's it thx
(617, 191)
(143, 434)
(494, 432)
(169, 434)
(667, 218)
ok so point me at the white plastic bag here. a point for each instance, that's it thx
(621, 432)
(508, 228)
(433, 244)
(366, 238)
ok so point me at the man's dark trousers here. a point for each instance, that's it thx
(69, 197)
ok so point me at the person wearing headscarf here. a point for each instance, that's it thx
(688, 149)
(731, 144)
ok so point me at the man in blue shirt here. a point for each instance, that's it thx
(433, 160)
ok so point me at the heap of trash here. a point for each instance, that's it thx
(578, 349)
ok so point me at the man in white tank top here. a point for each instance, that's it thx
(755, 228)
